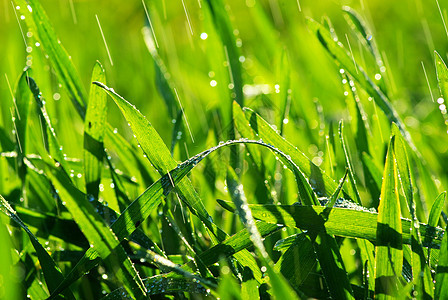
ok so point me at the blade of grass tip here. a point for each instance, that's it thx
(344, 60)
(355, 193)
(38, 21)
(434, 216)
(52, 144)
(96, 117)
(360, 27)
(225, 31)
(52, 274)
(97, 232)
(164, 84)
(420, 269)
(22, 103)
(436, 210)
(441, 285)
(442, 79)
(389, 247)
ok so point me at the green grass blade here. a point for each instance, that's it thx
(436, 210)
(97, 232)
(94, 124)
(161, 284)
(421, 273)
(441, 291)
(38, 21)
(337, 51)
(389, 247)
(442, 74)
(225, 31)
(356, 222)
(330, 260)
(354, 194)
(62, 228)
(23, 102)
(298, 260)
(52, 274)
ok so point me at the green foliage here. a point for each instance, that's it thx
(225, 183)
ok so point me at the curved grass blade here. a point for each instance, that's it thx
(52, 274)
(94, 133)
(37, 20)
(389, 247)
(141, 208)
(350, 221)
(100, 237)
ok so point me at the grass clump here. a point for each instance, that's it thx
(235, 181)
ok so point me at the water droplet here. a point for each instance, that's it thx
(204, 36)
(213, 83)
(377, 76)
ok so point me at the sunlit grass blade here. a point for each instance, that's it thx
(37, 19)
(52, 274)
(94, 125)
(389, 247)
(97, 232)
(356, 222)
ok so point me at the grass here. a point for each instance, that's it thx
(269, 152)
